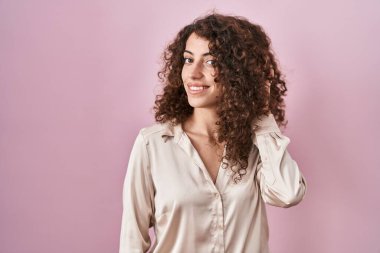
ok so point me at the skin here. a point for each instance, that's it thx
(198, 69)
(200, 127)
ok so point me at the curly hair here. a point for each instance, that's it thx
(245, 65)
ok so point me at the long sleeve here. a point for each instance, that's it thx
(281, 182)
(138, 197)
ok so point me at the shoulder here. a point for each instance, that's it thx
(155, 131)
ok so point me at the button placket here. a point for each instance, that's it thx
(219, 243)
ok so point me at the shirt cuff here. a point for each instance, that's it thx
(265, 124)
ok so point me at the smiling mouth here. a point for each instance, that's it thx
(197, 89)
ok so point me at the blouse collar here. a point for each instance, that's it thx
(174, 131)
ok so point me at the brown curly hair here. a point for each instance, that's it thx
(245, 65)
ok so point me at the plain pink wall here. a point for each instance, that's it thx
(78, 79)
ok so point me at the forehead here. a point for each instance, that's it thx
(197, 44)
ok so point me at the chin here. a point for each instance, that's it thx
(201, 104)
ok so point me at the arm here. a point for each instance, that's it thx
(281, 181)
(138, 200)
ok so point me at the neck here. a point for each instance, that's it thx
(202, 122)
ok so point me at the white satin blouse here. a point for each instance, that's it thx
(167, 187)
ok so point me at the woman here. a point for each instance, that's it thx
(202, 174)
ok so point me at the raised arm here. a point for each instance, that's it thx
(281, 181)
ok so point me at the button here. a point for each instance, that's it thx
(216, 195)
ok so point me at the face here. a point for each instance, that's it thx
(198, 74)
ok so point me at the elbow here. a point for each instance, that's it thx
(292, 198)
(287, 198)
(295, 195)
(290, 201)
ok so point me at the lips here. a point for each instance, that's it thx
(196, 88)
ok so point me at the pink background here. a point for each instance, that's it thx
(78, 79)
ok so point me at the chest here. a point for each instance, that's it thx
(182, 184)
(210, 153)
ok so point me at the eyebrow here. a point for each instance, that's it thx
(205, 54)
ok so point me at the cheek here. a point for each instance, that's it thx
(214, 72)
(183, 74)
(212, 75)
(218, 89)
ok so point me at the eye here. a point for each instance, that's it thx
(211, 62)
(187, 60)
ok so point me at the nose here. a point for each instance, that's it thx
(196, 71)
